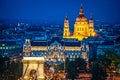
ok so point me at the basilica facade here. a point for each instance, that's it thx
(82, 28)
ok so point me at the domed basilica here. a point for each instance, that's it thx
(82, 28)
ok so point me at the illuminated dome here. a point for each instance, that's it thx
(81, 17)
(82, 27)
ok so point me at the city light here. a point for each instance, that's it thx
(39, 41)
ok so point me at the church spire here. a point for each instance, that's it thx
(91, 18)
(66, 27)
(66, 22)
(81, 11)
(66, 18)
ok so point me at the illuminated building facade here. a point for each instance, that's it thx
(82, 28)
(8, 49)
(71, 46)
(56, 49)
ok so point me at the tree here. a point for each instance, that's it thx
(60, 66)
(98, 72)
(10, 70)
(15, 69)
(103, 64)
(115, 58)
(73, 68)
(104, 61)
(3, 67)
(118, 68)
(80, 65)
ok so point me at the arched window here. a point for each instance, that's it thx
(82, 29)
(77, 29)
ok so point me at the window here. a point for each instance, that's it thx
(76, 53)
(6, 47)
(65, 33)
(3, 47)
(82, 29)
(0, 47)
(77, 29)
(72, 53)
(65, 30)
(13, 47)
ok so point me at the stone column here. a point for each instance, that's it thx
(41, 71)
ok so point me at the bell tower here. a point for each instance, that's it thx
(66, 32)
(91, 26)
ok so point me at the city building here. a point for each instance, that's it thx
(56, 49)
(36, 33)
(117, 45)
(105, 46)
(9, 48)
(82, 28)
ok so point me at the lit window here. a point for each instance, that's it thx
(77, 29)
(75, 53)
(72, 53)
(10, 47)
(13, 47)
(0, 47)
(3, 44)
(3, 47)
(82, 29)
(6, 47)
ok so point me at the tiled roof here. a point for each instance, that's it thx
(63, 43)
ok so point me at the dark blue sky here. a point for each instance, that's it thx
(54, 11)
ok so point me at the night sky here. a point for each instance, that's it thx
(54, 11)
